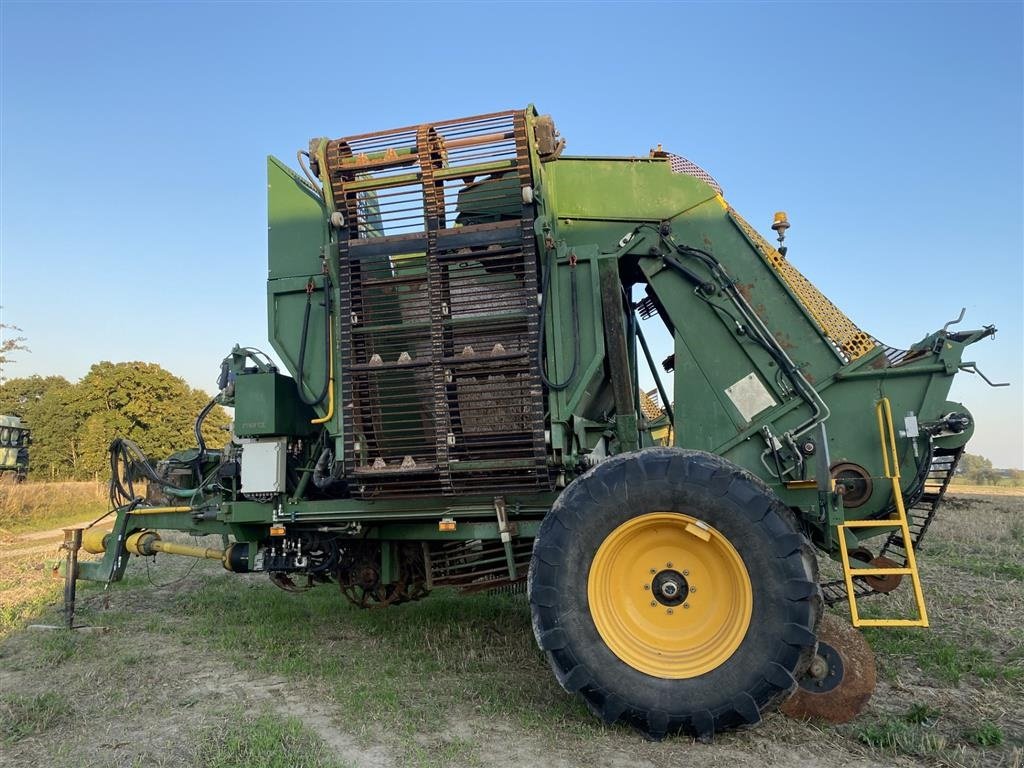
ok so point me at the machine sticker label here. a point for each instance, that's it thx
(750, 396)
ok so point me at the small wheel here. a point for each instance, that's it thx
(884, 584)
(840, 679)
(670, 590)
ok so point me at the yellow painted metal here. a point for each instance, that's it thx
(670, 641)
(797, 485)
(325, 181)
(158, 510)
(652, 412)
(330, 387)
(93, 540)
(847, 337)
(801, 485)
(171, 548)
(140, 543)
(890, 461)
(650, 409)
(147, 543)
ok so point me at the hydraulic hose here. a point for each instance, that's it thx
(122, 489)
(299, 374)
(198, 430)
(756, 330)
(313, 181)
(558, 385)
(760, 334)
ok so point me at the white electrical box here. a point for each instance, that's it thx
(263, 465)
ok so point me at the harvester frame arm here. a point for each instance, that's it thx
(668, 279)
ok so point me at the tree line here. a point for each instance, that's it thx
(73, 423)
(977, 470)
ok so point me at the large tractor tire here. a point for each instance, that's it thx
(671, 590)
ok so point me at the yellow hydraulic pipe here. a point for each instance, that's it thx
(330, 383)
(159, 510)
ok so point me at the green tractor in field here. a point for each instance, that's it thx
(15, 438)
(462, 311)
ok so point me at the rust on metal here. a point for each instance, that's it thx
(437, 257)
(835, 692)
(887, 582)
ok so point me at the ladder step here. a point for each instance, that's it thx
(872, 523)
(881, 571)
(892, 623)
(918, 517)
(908, 530)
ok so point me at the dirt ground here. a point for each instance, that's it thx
(194, 663)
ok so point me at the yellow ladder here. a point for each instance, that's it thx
(899, 520)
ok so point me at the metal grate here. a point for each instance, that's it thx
(649, 405)
(849, 341)
(680, 164)
(475, 565)
(441, 389)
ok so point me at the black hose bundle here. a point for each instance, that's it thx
(128, 463)
(200, 441)
(127, 459)
(299, 374)
(558, 385)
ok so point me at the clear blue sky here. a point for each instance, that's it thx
(134, 135)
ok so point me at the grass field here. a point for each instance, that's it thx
(203, 668)
(39, 506)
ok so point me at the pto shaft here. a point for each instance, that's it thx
(148, 543)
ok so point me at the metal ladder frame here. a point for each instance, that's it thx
(890, 462)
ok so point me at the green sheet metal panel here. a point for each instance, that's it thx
(623, 189)
(286, 302)
(297, 223)
(265, 405)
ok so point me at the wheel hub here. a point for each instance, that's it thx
(840, 679)
(670, 587)
(644, 599)
(826, 671)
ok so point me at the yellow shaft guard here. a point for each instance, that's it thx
(94, 540)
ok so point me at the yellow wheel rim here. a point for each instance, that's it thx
(670, 596)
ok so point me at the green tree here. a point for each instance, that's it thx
(55, 422)
(977, 470)
(8, 345)
(19, 396)
(42, 404)
(146, 404)
(72, 424)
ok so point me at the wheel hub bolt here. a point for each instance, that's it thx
(692, 590)
(818, 669)
(686, 605)
(654, 603)
(669, 611)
